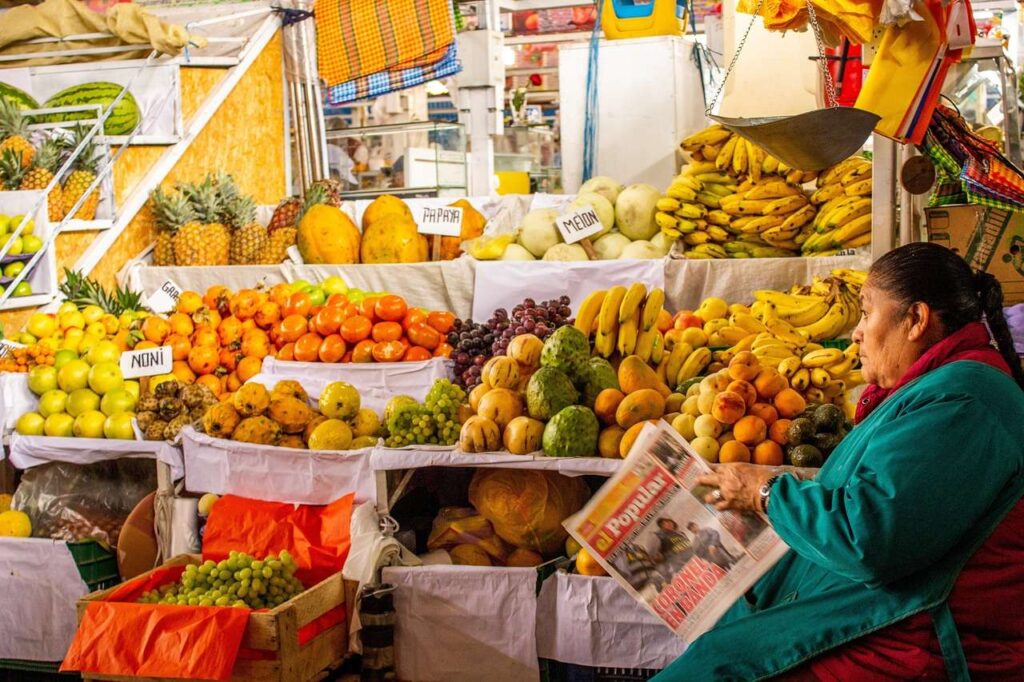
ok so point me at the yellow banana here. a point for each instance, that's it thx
(724, 159)
(859, 189)
(859, 173)
(720, 190)
(755, 157)
(710, 151)
(699, 168)
(852, 351)
(789, 367)
(857, 242)
(770, 165)
(819, 377)
(667, 204)
(763, 223)
(589, 308)
(631, 301)
(718, 234)
(652, 308)
(854, 378)
(834, 174)
(628, 334)
(853, 229)
(718, 217)
(645, 344)
(733, 334)
(801, 379)
(608, 318)
(826, 193)
(713, 134)
(749, 323)
(739, 158)
(696, 238)
(851, 211)
(746, 207)
(666, 221)
(680, 351)
(680, 193)
(657, 347)
(773, 189)
(709, 199)
(604, 344)
(716, 178)
(779, 235)
(833, 389)
(821, 358)
(829, 326)
(841, 368)
(854, 278)
(785, 205)
(815, 395)
(688, 182)
(691, 211)
(693, 365)
(796, 177)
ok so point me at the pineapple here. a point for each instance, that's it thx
(331, 191)
(283, 236)
(204, 240)
(82, 175)
(40, 174)
(285, 215)
(84, 291)
(170, 212)
(14, 132)
(275, 250)
(11, 170)
(248, 237)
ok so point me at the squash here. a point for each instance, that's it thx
(525, 349)
(501, 371)
(393, 239)
(479, 435)
(472, 227)
(635, 374)
(501, 406)
(640, 406)
(478, 392)
(385, 205)
(523, 435)
(327, 235)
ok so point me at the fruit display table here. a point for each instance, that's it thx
(39, 585)
(265, 472)
(29, 451)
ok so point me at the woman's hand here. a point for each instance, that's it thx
(738, 484)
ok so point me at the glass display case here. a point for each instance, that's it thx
(533, 150)
(984, 89)
(419, 159)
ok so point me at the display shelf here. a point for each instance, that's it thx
(392, 459)
(43, 274)
(26, 452)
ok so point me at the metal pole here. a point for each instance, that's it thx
(883, 203)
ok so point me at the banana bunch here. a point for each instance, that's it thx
(624, 320)
(823, 375)
(826, 309)
(843, 197)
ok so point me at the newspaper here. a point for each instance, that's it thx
(650, 528)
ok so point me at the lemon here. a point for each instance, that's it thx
(340, 400)
(366, 423)
(15, 524)
(332, 434)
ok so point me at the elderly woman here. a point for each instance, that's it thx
(907, 549)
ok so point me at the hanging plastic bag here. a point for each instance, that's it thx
(74, 502)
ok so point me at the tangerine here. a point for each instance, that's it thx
(307, 348)
(414, 316)
(292, 328)
(328, 321)
(441, 320)
(750, 430)
(363, 351)
(388, 351)
(387, 331)
(424, 335)
(368, 307)
(768, 453)
(336, 301)
(332, 349)
(765, 411)
(733, 451)
(356, 328)
(287, 352)
(390, 308)
(417, 354)
(247, 369)
(298, 303)
(443, 350)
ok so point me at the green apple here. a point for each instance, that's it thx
(73, 375)
(17, 246)
(31, 244)
(42, 378)
(30, 424)
(82, 400)
(133, 389)
(89, 424)
(14, 269)
(59, 425)
(63, 357)
(105, 377)
(104, 351)
(299, 285)
(117, 401)
(53, 402)
(23, 289)
(334, 285)
(119, 426)
(316, 295)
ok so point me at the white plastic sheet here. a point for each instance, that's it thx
(386, 459)
(265, 472)
(15, 399)
(592, 621)
(39, 588)
(457, 623)
(29, 451)
(504, 284)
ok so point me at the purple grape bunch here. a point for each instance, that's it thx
(476, 343)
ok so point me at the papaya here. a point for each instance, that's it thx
(472, 227)
(640, 406)
(385, 205)
(635, 374)
(393, 239)
(327, 235)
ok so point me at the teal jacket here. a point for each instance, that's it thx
(882, 532)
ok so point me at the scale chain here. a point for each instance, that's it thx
(735, 56)
(830, 88)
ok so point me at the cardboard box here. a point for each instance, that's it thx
(989, 239)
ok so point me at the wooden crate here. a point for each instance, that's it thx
(277, 631)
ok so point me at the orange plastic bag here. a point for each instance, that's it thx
(120, 637)
(318, 537)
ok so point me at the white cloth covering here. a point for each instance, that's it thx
(29, 451)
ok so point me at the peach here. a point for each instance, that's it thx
(768, 453)
(734, 451)
(728, 407)
(750, 430)
(705, 401)
(769, 383)
(715, 367)
(707, 426)
(685, 319)
(765, 411)
(726, 437)
(692, 406)
(745, 366)
(684, 426)
(714, 383)
(745, 389)
(789, 403)
(706, 448)
(777, 431)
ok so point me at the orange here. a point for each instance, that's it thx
(586, 564)
(248, 368)
(363, 351)
(768, 453)
(789, 403)
(292, 327)
(416, 354)
(387, 331)
(750, 430)
(336, 301)
(328, 320)
(307, 348)
(733, 451)
(765, 411)
(298, 303)
(388, 351)
(443, 351)
(368, 307)
(441, 320)
(332, 349)
(424, 335)
(390, 308)
(414, 316)
(777, 432)
(356, 328)
(287, 352)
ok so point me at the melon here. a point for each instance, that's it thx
(516, 252)
(123, 120)
(641, 249)
(607, 187)
(610, 246)
(538, 233)
(663, 242)
(566, 252)
(635, 209)
(21, 98)
(602, 207)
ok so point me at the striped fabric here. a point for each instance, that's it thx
(383, 82)
(363, 38)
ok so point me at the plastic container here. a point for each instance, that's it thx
(98, 566)
(638, 19)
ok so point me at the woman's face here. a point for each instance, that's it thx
(887, 336)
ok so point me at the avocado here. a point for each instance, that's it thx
(806, 456)
(827, 442)
(800, 431)
(827, 418)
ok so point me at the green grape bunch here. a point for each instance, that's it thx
(241, 581)
(435, 422)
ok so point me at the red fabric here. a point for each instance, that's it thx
(987, 596)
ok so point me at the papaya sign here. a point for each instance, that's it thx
(443, 220)
(146, 363)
